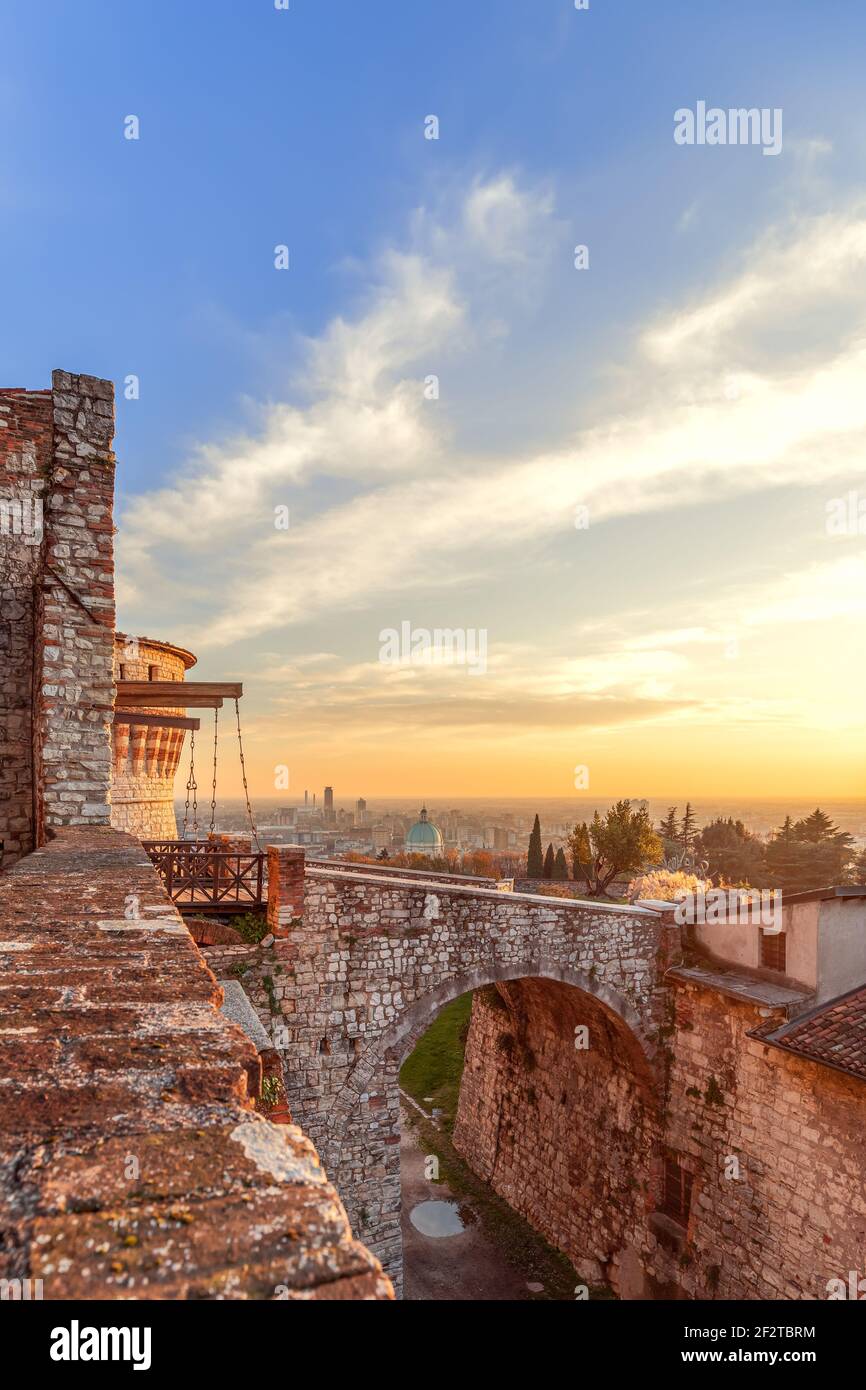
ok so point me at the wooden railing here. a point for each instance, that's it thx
(210, 878)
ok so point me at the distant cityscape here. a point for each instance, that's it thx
(330, 827)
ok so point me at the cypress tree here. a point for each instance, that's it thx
(548, 862)
(687, 829)
(535, 860)
(560, 868)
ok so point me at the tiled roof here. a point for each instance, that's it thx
(833, 1033)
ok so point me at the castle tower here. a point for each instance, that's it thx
(147, 741)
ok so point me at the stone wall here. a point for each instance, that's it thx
(566, 1134)
(26, 437)
(132, 1164)
(57, 623)
(795, 1216)
(75, 615)
(772, 1145)
(370, 966)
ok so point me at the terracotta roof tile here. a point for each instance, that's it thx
(833, 1033)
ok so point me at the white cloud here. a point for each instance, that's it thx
(704, 415)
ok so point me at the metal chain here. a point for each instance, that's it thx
(244, 776)
(191, 786)
(213, 791)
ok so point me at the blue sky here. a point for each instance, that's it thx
(455, 256)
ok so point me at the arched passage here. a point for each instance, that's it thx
(396, 1042)
(560, 1132)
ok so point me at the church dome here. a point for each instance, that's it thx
(424, 836)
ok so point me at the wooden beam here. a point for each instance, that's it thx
(177, 694)
(155, 721)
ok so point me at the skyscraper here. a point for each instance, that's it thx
(329, 805)
(360, 811)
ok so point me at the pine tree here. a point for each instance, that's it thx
(535, 860)
(548, 862)
(669, 828)
(560, 868)
(818, 829)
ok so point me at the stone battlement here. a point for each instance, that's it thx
(132, 1162)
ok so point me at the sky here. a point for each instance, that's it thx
(632, 476)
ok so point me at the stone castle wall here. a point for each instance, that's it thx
(567, 1137)
(772, 1145)
(218, 1203)
(26, 440)
(57, 622)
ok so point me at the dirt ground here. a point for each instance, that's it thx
(468, 1266)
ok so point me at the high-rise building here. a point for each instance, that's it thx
(360, 811)
(328, 805)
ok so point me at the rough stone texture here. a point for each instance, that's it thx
(75, 615)
(568, 1137)
(796, 1218)
(131, 1162)
(26, 438)
(371, 965)
(285, 888)
(57, 620)
(574, 1140)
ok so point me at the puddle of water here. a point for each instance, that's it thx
(437, 1218)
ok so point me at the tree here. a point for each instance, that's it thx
(535, 861)
(548, 862)
(581, 850)
(857, 871)
(669, 827)
(808, 854)
(560, 868)
(733, 855)
(620, 843)
(382, 855)
(818, 829)
(687, 829)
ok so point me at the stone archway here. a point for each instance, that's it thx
(362, 1145)
(397, 1042)
(373, 959)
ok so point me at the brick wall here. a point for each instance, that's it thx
(57, 622)
(26, 434)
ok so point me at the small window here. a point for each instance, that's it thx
(774, 951)
(153, 673)
(677, 1194)
(121, 671)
